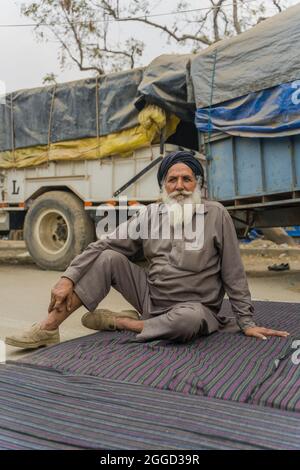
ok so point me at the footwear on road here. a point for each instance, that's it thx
(33, 338)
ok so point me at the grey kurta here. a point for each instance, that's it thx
(178, 275)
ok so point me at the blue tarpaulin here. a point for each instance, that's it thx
(293, 231)
(268, 113)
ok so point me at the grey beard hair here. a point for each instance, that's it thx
(182, 211)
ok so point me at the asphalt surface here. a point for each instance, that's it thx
(24, 298)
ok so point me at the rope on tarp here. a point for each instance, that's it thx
(50, 123)
(209, 157)
(97, 118)
(12, 130)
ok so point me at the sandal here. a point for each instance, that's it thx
(279, 267)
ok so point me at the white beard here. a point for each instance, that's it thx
(181, 205)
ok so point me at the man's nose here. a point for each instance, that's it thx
(179, 184)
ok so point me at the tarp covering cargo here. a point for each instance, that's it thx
(85, 119)
(268, 113)
(164, 83)
(263, 57)
(99, 117)
(71, 110)
(152, 120)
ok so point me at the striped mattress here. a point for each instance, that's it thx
(107, 391)
(44, 409)
(223, 365)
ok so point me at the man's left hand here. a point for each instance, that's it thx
(263, 333)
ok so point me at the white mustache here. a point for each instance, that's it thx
(174, 194)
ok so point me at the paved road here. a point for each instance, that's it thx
(24, 299)
(25, 292)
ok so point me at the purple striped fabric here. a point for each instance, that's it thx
(222, 365)
(42, 409)
(282, 388)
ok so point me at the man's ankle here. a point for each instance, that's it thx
(48, 326)
(129, 324)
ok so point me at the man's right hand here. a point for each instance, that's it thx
(62, 292)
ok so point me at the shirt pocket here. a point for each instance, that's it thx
(187, 259)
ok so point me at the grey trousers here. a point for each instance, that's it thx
(179, 321)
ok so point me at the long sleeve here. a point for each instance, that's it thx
(117, 241)
(233, 274)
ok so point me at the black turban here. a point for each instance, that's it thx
(179, 156)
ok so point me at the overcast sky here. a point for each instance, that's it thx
(24, 62)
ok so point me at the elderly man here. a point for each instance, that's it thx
(181, 294)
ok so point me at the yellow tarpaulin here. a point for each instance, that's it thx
(152, 120)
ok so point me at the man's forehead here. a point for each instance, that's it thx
(180, 169)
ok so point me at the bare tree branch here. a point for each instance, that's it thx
(226, 22)
(74, 59)
(216, 10)
(83, 27)
(73, 29)
(204, 39)
(276, 3)
(235, 17)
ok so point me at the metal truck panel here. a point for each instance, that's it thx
(242, 167)
(94, 180)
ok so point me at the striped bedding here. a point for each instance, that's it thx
(45, 409)
(222, 366)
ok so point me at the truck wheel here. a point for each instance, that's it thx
(56, 229)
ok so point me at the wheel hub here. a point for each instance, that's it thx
(52, 231)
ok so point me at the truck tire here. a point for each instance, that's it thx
(57, 229)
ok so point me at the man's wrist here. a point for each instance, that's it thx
(65, 277)
(72, 274)
(246, 327)
(246, 324)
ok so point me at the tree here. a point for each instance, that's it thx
(84, 28)
(50, 79)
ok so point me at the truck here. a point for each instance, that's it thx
(67, 148)
(246, 91)
(242, 95)
(56, 205)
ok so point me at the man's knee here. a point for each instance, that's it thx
(110, 257)
(187, 322)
